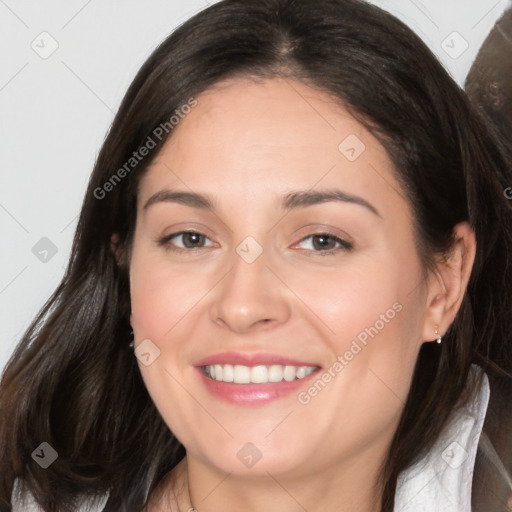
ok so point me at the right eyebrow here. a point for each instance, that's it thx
(192, 199)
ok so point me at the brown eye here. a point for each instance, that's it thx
(327, 243)
(190, 240)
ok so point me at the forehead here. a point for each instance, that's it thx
(270, 114)
(268, 136)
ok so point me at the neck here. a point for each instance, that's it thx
(349, 486)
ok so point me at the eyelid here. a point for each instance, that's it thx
(322, 229)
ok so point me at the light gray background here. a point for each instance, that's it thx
(56, 109)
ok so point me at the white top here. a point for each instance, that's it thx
(441, 481)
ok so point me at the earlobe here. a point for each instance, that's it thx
(448, 283)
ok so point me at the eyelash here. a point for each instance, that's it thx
(166, 242)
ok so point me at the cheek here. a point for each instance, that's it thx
(372, 334)
(369, 317)
(161, 294)
(361, 297)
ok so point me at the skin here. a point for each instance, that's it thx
(246, 144)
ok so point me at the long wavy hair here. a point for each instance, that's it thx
(73, 381)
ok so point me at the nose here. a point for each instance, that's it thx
(250, 297)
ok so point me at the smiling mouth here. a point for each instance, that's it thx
(260, 374)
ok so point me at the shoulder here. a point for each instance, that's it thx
(493, 486)
(442, 478)
(22, 500)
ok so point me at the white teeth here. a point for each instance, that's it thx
(289, 373)
(218, 371)
(275, 373)
(260, 374)
(242, 374)
(301, 372)
(228, 373)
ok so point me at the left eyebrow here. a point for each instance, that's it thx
(302, 199)
(292, 200)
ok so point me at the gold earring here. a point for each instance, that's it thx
(438, 340)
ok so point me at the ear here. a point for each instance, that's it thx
(447, 285)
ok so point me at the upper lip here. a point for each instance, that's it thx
(255, 359)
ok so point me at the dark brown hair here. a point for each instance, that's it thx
(489, 81)
(73, 381)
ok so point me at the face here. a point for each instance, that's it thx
(269, 279)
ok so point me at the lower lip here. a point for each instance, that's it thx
(253, 394)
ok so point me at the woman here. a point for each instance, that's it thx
(340, 331)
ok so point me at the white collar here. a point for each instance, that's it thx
(442, 480)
